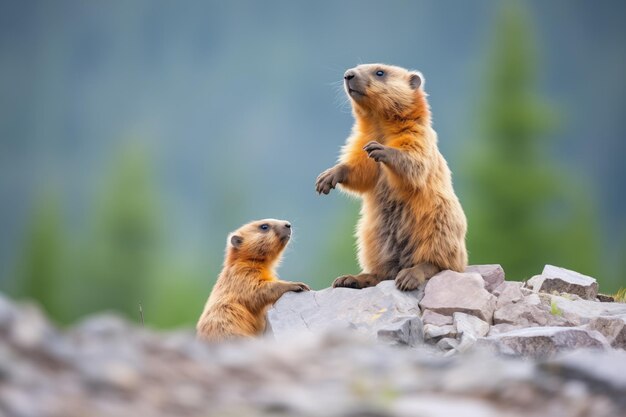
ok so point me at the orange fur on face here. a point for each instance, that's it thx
(410, 213)
(247, 285)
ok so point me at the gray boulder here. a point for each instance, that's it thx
(563, 280)
(542, 342)
(449, 292)
(382, 312)
(492, 274)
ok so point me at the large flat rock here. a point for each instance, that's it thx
(450, 292)
(382, 312)
(540, 342)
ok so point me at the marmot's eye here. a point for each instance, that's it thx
(264, 226)
(380, 73)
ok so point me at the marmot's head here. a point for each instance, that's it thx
(259, 241)
(386, 91)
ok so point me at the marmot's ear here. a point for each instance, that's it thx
(416, 80)
(236, 241)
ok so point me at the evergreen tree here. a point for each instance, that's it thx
(42, 260)
(522, 211)
(120, 257)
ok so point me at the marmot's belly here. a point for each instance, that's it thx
(395, 226)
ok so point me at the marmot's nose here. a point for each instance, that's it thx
(288, 225)
(349, 75)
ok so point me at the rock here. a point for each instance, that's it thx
(119, 369)
(492, 274)
(613, 328)
(508, 292)
(526, 291)
(563, 280)
(430, 317)
(587, 310)
(469, 328)
(541, 342)
(502, 328)
(521, 315)
(405, 332)
(466, 324)
(434, 332)
(381, 312)
(447, 343)
(605, 372)
(449, 292)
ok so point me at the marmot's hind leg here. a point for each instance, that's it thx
(410, 278)
(357, 281)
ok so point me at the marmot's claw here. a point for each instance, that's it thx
(327, 181)
(409, 279)
(377, 151)
(373, 145)
(355, 281)
(301, 286)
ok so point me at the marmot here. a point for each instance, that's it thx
(412, 224)
(247, 285)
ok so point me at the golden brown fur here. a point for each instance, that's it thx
(247, 285)
(412, 224)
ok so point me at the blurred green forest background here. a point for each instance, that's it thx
(135, 136)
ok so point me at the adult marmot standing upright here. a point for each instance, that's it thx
(247, 285)
(412, 224)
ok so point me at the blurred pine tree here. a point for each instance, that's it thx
(119, 260)
(42, 261)
(522, 211)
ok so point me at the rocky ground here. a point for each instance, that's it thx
(466, 344)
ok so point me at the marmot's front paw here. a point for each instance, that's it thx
(409, 279)
(378, 152)
(329, 179)
(356, 281)
(300, 286)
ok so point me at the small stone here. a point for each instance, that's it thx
(612, 327)
(466, 324)
(448, 343)
(508, 292)
(563, 280)
(492, 274)
(433, 332)
(449, 292)
(405, 331)
(521, 315)
(430, 317)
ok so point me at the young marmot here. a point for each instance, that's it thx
(412, 224)
(247, 285)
